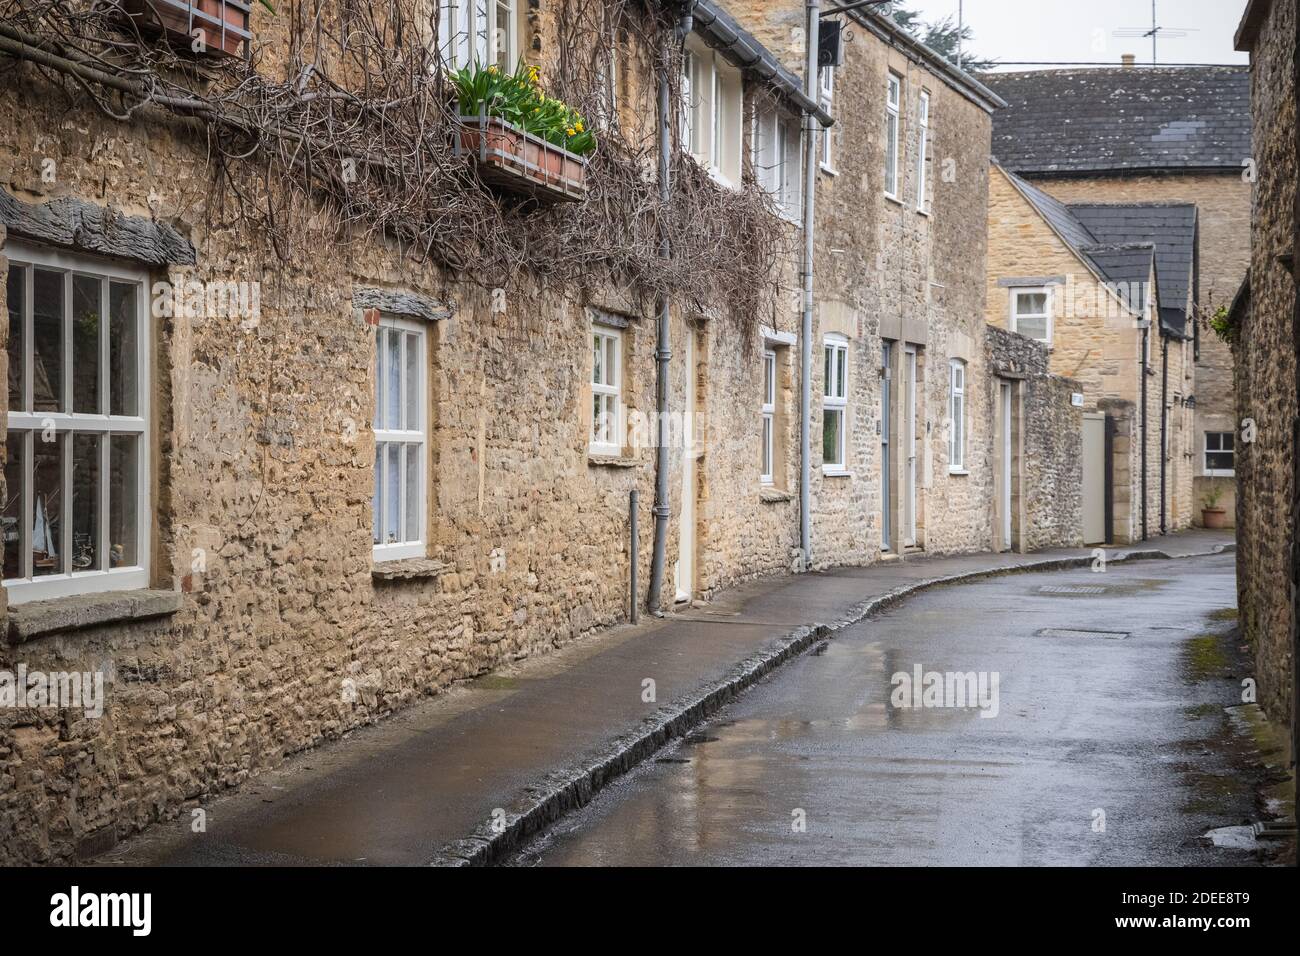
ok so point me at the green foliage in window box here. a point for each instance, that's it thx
(519, 99)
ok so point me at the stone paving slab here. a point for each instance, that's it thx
(473, 773)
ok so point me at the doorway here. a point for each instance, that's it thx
(1005, 475)
(1094, 478)
(886, 413)
(909, 446)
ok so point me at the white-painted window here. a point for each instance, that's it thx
(957, 416)
(478, 33)
(606, 390)
(835, 404)
(826, 97)
(778, 160)
(399, 503)
(1220, 454)
(77, 509)
(893, 99)
(1031, 313)
(923, 153)
(712, 113)
(768, 416)
(607, 76)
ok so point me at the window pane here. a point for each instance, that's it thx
(86, 312)
(85, 502)
(831, 436)
(767, 446)
(379, 381)
(377, 499)
(413, 453)
(47, 341)
(12, 518)
(611, 361)
(841, 378)
(47, 508)
(828, 382)
(123, 491)
(1031, 303)
(392, 493)
(597, 361)
(16, 293)
(1035, 328)
(392, 380)
(891, 154)
(1219, 461)
(123, 326)
(413, 411)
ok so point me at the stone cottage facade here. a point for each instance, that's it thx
(1143, 135)
(1265, 332)
(1091, 285)
(273, 479)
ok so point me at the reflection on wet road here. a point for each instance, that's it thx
(1104, 741)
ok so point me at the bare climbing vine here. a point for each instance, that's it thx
(340, 128)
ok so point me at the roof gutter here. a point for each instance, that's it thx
(891, 33)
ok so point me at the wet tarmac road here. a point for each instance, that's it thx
(1098, 748)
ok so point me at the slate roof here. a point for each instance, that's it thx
(1171, 227)
(1122, 120)
(1117, 262)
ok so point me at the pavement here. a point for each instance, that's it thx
(474, 773)
(1107, 742)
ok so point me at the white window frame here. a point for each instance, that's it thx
(606, 441)
(835, 394)
(1206, 451)
(957, 417)
(893, 125)
(412, 437)
(767, 419)
(470, 32)
(922, 152)
(1016, 314)
(775, 151)
(826, 98)
(29, 587)
(712, 121)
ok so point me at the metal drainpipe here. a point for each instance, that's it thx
(1164, 427)
(1146, 343)
(663, 352)
(810, 125)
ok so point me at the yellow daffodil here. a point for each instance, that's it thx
(578, 126)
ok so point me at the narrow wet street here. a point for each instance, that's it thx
(1094, 733)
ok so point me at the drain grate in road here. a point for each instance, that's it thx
(1071, 589)
(1081, 632)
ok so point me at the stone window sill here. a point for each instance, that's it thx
(770, 495)
(836, 472)
(407, 569)
(611, 461)
(36, 619)
(958, 471)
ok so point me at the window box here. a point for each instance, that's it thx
(517, 161)
(223, 25)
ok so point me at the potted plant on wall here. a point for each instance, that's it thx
(522, 139)
(1212, 516)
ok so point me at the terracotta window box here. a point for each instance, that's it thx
(517, 161)
(223, 25)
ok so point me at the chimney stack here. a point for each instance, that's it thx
(1129, 60)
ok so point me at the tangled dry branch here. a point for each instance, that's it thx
(351, 111)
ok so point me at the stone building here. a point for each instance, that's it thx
(321, 471)
(1146, 135)
(1095, 285)
(1265, 332)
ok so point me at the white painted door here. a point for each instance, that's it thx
(685, 571)
(886, 424)
(1094, 479)
(909, 446)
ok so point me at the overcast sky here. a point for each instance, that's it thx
(1084, 30)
